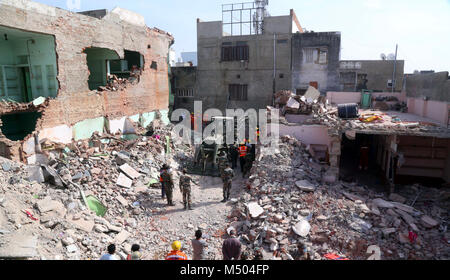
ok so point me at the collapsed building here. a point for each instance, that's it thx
(406, 132)
(65, 75)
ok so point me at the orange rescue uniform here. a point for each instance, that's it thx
(176, 256)
(243, 151)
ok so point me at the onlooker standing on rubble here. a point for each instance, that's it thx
(185, 189)
(227, 178)
(135, 253)
(198, 246)
(232, 247)
(110, 256)
(166, 176)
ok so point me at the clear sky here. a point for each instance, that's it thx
(421, 28)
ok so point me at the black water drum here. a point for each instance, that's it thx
(348, 111)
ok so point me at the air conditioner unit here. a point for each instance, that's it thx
(390, 84)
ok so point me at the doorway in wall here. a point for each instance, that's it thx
(25, 78)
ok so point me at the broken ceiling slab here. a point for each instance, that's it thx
(18, 246)
(292, 103)
(311, 95)
(81, 224)
(124, 181)
(255, 210)
(129, 171)
(305, 186)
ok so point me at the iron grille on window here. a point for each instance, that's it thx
(236, 53)
(238, 92)
(182, 92)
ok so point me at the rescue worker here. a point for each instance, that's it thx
(185, 189)
(166, 176)
(242, 153)
(176, 254)
(234, 151)
(223, 160)
(227, 178)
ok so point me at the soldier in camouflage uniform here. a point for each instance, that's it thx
(227, 178)
(223, 160)
(185, 189)
(166, 176)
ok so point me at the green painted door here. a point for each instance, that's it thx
(28, 94)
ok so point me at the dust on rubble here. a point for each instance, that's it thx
(282, 207)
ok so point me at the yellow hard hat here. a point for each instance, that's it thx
(176, 246)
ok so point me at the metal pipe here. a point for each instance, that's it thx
(29, 57)
(274, 67)
(395, 69)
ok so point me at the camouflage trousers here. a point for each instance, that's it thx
(227, 189)
(187, 198)
(169, 194)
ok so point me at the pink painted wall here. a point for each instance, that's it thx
(337, 98)
(307, 134)
(434, 110)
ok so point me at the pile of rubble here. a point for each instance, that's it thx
(82, 197)
(286, 204)
(290, 103)
(117, 84)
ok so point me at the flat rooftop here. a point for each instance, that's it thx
(394, 122)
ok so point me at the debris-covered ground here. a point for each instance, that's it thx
(43, 214)
(287, 204)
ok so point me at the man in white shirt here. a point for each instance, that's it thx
(110, 256)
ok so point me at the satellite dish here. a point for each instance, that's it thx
(391, 56)
(383, 56)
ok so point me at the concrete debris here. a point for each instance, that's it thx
(302, 228)
(123, 181)
(255, 210)
(428, 222)
(380, 203)
(340, 218)
(129, 171)
(285, 203)
(305, 186)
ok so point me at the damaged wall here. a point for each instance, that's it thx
(74, 33)
(434, 86)
(315, 58)
(214, 75)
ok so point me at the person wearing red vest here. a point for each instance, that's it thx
(176, 254)
(243, 149)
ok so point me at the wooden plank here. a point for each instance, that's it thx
(425, 162)
(421, 172)
(419, 141)
(417, 152)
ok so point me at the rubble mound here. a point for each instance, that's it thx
(286, 204)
